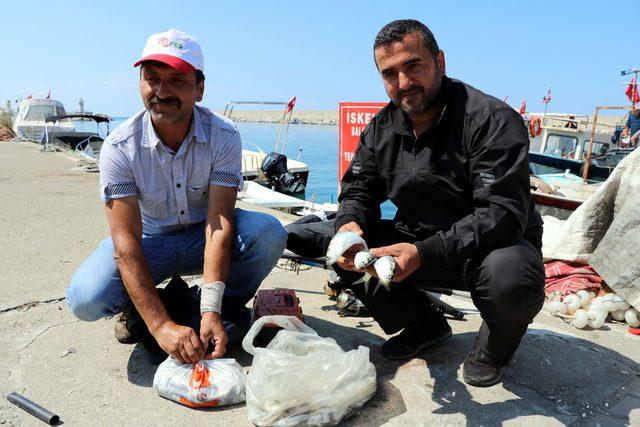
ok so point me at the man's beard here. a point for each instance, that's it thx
(422, 103)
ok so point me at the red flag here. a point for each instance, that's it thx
(547, 97)
(49, 94)
(523, 107)
(632, 91)
(29, 97)
(291, 104)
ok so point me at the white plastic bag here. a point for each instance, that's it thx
(207, 383)
(301, 378)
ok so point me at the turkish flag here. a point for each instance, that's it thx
(291, 104)
(523, 107)
(29, 97)
(632, 91)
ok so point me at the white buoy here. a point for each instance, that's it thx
(585, 298)
(596, 319)
(608, 302)
(597, 304)
(632, 317)
(580, 318)
(621, 304)
(556, 307)
(618, 315)
(572, 302)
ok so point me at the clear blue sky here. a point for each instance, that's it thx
(319, 51)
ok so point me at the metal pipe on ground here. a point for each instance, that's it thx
(33, 408)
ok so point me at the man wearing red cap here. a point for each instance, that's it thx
(169, 177)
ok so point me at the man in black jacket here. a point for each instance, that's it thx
(454, 161)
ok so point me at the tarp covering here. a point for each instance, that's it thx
(605, 231)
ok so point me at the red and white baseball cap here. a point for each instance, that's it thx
(174, 48)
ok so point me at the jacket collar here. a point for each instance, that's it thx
(393, 118)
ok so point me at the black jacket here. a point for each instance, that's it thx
(461, 188)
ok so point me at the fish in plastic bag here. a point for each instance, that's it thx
(207, 383)
(301, 378)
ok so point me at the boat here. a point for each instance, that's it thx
(85, 144)
(570, 157)
(259, 195)
(30, 122)
(561, 143)
(273, 169)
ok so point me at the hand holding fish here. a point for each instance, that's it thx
(406, 256)
(352, 227)
(344, 246)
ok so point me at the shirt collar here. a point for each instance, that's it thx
(150, 137)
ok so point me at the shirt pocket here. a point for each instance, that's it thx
(198, 196)
(154, 204)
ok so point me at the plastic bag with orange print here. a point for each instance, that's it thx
(207, 383)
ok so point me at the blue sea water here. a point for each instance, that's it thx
(316, 145)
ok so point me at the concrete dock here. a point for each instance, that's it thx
(51, 218)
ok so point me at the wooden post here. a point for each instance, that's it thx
(585, 172)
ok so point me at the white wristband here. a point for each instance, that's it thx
(211, 297)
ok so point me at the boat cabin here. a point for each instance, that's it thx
(30, 123)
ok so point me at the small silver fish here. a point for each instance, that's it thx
(385, 268)
(342, 241)
(363, 259)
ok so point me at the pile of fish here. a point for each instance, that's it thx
(586, 309)
(384, 266)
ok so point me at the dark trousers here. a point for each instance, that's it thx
(506, 285)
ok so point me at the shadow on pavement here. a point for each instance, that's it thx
(552, 374)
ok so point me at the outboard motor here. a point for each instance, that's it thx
(274, 167)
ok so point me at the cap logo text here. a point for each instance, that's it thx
(165, 42)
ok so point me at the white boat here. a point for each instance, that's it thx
(259, 195)
(278, 172)
(30, 122)
(253, 156)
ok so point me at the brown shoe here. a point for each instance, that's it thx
(120, 330)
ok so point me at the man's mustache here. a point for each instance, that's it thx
(414, 88)
(165, 101)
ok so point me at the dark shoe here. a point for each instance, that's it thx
(479, 370)
(416, 338)
(120, 330)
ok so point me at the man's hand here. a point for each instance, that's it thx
(346, 260)
(181, 342)
(352, 227)
(211, 330)
(406, 256)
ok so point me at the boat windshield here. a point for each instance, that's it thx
(40, 112)
(560, 145)
(612, 158)
(599, 148)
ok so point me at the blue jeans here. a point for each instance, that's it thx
(96, 289)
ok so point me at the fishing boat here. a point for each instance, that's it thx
(30, 122)
(569, 158)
